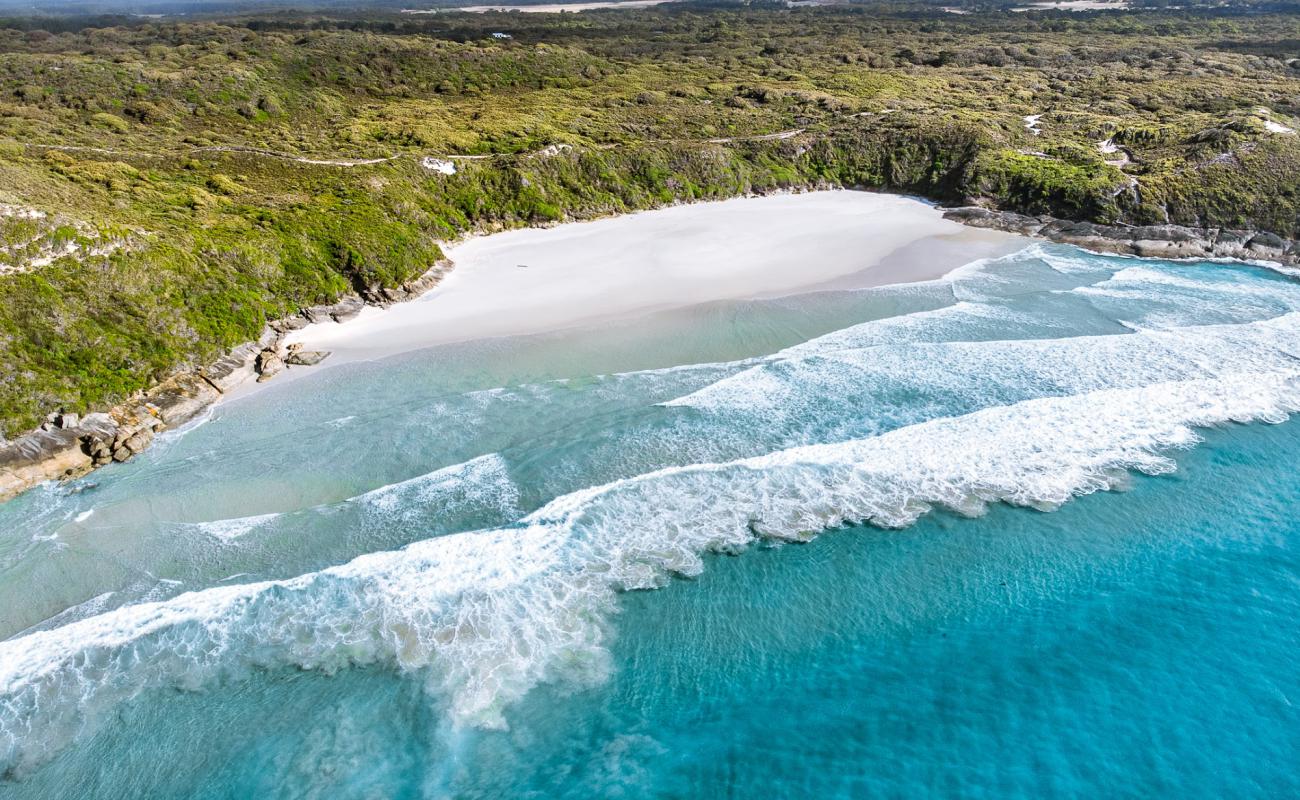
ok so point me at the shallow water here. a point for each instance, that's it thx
(232, 614)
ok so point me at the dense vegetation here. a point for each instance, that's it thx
(169, 238)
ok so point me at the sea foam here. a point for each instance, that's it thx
(485, 616)
(482, 617)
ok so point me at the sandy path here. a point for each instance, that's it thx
(548, 150)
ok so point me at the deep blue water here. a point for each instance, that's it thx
(653, 583)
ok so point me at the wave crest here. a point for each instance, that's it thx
(487, 615)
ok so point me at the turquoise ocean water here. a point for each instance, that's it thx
(1027, 531)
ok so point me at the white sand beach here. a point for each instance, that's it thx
(536, 280)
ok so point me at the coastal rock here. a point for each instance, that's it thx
(316, 314)
(1151, 241)
(233, 369)
(269, 364)
(100, 449)
(1081, 234)
(41, 456)
(179, 399)
(269, 338)
(1160, 233)
(133, 433)
(131, 444)
(343, 310)
(383, 296)
(98, 433)
(1230, 241)
(1162, 241)
(1267, 245)
(98, 422)
(431, 278)
(978, 217)
(347, 308)
(1166, 248)
(294, 323)
(306, 358)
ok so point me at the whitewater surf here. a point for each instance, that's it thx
(460, 534)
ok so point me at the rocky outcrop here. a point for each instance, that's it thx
(304, 358)
(345, 309)
(386, 295)
(68, 445)
(269, 364)
(178, 400)
(40, 456)
(237, 366)
(1148, 241)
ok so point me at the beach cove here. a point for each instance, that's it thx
(940, 492)
(744, 248)
(581, 273)
(543, 279)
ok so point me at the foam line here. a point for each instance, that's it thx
(979, 414)
(835, 378)
(485, 616)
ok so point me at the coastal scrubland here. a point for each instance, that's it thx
(169, 185)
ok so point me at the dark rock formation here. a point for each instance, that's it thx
(343, 310)
(234, 368)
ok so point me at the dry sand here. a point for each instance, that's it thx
(536, 280)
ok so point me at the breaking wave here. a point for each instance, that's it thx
(487, 615)
(477, 486)
(1006, 395)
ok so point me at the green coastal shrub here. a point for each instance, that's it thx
(685, 102)
(111, 121)
(1038, 184)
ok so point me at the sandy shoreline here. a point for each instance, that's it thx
(535, 281)
(544, 279)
